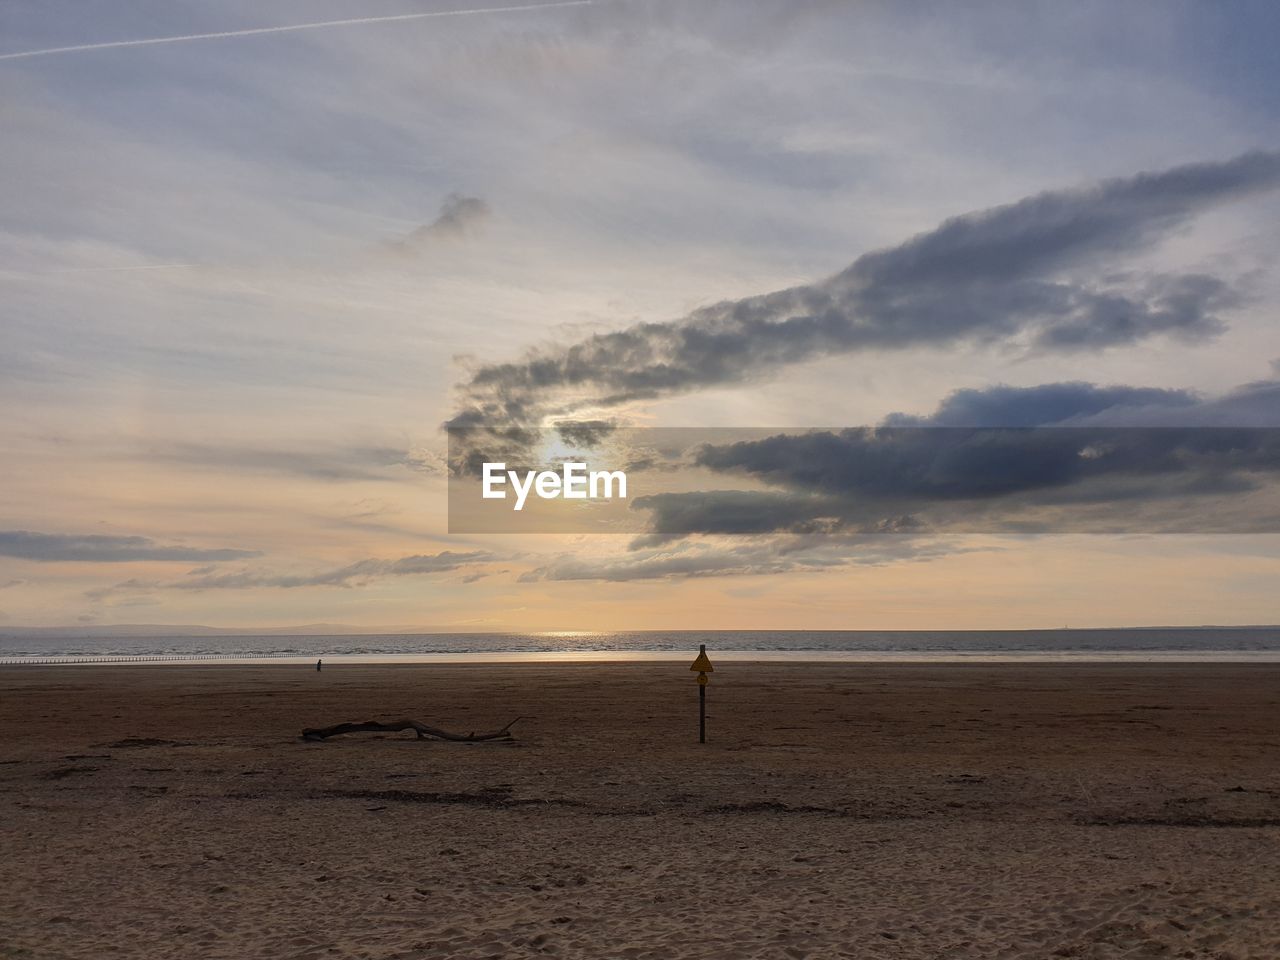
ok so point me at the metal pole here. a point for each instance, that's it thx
(702, 713)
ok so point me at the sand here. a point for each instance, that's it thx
(890, 811)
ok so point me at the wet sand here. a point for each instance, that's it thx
(838, 810)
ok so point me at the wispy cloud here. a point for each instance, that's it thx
(761, 556)
(356, 574)
(331, 464)
(459, 216)
(98, 548)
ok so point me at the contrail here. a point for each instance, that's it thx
(294, 26)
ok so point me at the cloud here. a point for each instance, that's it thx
(1050, 403)
(1041, 273)
(333, 465)
(1254, 404)
(584, 433)
(738, 512)
(760, 556)
(1076, 403)
(965, 463)
(1120, 458)
(356, 574)
(353, 574)
(96, 548)
(458, 217)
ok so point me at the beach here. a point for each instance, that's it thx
(837, 810)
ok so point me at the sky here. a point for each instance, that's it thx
(248, 274)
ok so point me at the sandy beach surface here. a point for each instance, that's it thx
(869, 811)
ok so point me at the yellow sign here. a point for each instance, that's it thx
(703, 679)
(702, 664)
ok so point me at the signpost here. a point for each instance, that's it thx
(702, 666)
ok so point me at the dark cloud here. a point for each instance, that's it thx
(97, 548)
(1040, 272)
(1053, 461)
(472, 443)
(1050, 403)
(1077, 403)
(1251, 405)
(1186, 306)
(965, 463)
(584, 433)
(351, 575)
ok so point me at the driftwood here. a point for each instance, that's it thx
(423, 730)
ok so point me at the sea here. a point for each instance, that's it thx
(1146, 644)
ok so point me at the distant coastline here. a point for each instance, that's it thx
(1128, 644)
(346, 629)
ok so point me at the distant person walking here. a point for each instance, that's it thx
(318, 666)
